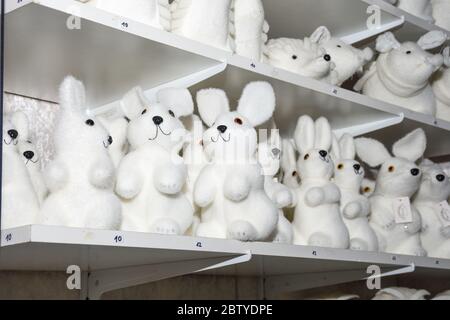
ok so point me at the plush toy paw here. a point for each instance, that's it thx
(315, 197)
(352, 210)
(281, 238)
(102, 176)
(413, 227)
(445, 232)
(242, 231)
(128, 189)
(319, 240)
(166, 226)
(420, 252)
(358, 245)
(283, 198)
(238, 194)
(170, 187)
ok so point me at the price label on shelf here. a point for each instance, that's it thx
(8, 237)
(118, 239)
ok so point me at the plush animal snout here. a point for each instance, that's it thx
(276, 152)
(13, 133)
(327, 57)
(440, 177)
(28, 155)
(357, 167)
(110, 140)
(323, 153)
(415, 172)
(158, 120)
(222, 129)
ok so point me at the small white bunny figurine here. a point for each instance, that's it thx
(397, 227)
(396, 293)
(431, 202)
(230, 190)
(290, 176)
(355, 208)
(402, 72)
(317, 220)
(441, 88)
(81, 176)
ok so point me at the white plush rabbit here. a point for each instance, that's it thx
(431, 201)
(317, 220)
(81, 176)
(290, 176)
(367, 187)
(230, 190)
(396, 293)
(355, 208)
(396, 227)
(419, 8)
(441, 88)
(402, 72)
(441, 9)
(20, 204)
(152, 176)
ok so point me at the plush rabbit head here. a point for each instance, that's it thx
(408, 66)
(290, 174)
(231, 135)
(270, 154)
(15, 128)
(398, 176)
(348, 173)
(435, 185)
(159, 122)
(313, 141)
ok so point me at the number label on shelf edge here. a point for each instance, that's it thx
(118, 239)
(199, 245)
(8, 237)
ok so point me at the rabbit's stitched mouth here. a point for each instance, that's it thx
(223, 139)
(31, 160)
(158, 129)
(325, 159)
(13, 141)
(358, 172)
(106, 145)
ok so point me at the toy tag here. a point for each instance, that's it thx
(444, 213)
(402, 211)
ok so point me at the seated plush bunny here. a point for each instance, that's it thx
(395, 221)
(396, 293)
(347, 59)
(20, 205)
(441, 88)
(402, 72)
(230, 190)
(419, 8)
(441, 8)
(355, 208)
(81, 176)
(152, 176)
(431, 202)
(317, 220)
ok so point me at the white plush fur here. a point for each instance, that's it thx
(441, 88)
(152, 176)
(398, 177)
(396, 293)
(230, 190)
(443, 296)
(355, 208)
(317, 220)
(402, 71)
(441, 9)
(81, 176)
(347, 59)
(419, 8)
(434, 189)
(20, 205)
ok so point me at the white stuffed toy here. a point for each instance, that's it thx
(367, 187)
(441, 10)
(443, 296)
(347, 59)
(396, 293)
(402, 72)
(152, 176)
(230, 190)
(395, 221)
(289, 172)
(317, 220)
(418, 8)
(355, 208)
(20, 205)
(431, 201)
(305, 57)
(81, 176)
(441, 88)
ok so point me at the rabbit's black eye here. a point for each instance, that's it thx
(391, 169)
(144, 111)
(90, 122)
(367, 189)
(294, 57)
(294, 173)
(238, 121)
(306, 157)
(340, 166)
(171, 113)
(440, 177)
(408, 52)
(339, 46)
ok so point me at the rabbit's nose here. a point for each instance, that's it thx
(158, 120)
(323, 153)
(415, 172)
(327, 57)
(357, 167)
(440, 177)
(222, 129)
(110, 140)
(13, 133)
(28, 155)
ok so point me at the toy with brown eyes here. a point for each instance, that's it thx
(397, 181)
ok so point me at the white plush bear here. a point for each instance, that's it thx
(230, 190)
(419, 8)
(402, 71)
(396, 293)
(441, 88)
(397, 228)
(20, 205)
(317, 220)
(347, 59)
(431, 202)
(441, 9)
(290, 176)
(355, 208)
(81, 176)
(305, 57)
(152, 176)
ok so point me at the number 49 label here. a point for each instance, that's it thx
(444, 213)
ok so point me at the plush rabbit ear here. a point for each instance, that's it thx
(446, 54)
(178, 100)
(321, 35)
(371, 151)
(288, 155)
(412, 147)
(335, 153)
(257, 102)
(323, 134)
(72, 95)
(432, 39)
(387, 42)
(212, 103)
(20, 123)
(347, 146)
(133, 103)
(304, 134)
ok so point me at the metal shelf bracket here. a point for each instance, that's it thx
(369, 127)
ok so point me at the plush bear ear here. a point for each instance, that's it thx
(432, 39)
(371, 151)
(178, 100)
(20, 122)
(304, 134)
(133, 103)
(387, 42)
(211, 103)
(323, 134)
(412, 146)
(347, 147)
(321, 35)
(257, 102)
(72, 95)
